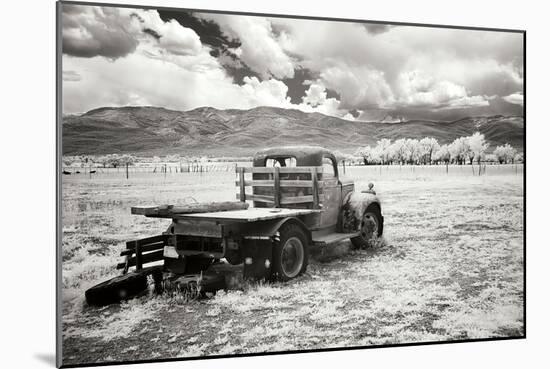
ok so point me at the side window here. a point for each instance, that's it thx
(328, 168)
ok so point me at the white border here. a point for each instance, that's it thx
(28, 182)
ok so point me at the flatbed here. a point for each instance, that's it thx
(248, 215)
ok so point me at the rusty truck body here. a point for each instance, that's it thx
(289, 199)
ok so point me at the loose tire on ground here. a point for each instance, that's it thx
(290, 253)
(371, 225)
(116, 289)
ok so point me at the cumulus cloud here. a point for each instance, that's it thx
(515, 98)
(269, 93)
(316, 100)
(420, 90)
(358, 86)
(315, 95)
(170, 36)
(178, 40)
(90, 31)
(96, 31)
(140, 79)
(367, 68)
(259, 48)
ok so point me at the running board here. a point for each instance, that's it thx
(328, 239)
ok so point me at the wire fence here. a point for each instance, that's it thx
(165, 169)
(154, 168)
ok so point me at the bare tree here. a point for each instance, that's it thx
(443, 154)
(505, 153)
(477, 145)
(399, 150)
(428, 146)
(460, 150)
(519, 158)
(412, 147)
(383, 149)
(365, 153)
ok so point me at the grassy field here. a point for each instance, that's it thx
(450, 266)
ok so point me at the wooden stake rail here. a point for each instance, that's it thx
(295, 170)
(143, 251)
(278, 181)
(282, 183)
(284, 200)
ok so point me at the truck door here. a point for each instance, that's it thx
(332, 194)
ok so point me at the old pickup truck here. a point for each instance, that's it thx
(289, 199)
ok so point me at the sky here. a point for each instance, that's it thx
(357, 71)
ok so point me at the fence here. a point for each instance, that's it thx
(165, 169)
(154, 168)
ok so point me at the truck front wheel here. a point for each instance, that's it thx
(370, 228)
(290, 253)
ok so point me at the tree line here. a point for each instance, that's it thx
(463, 150)
(106, 161)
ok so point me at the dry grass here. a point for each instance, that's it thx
(450, 267)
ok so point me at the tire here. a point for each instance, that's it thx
(116, 289)
(206, 282)
(290, 253)
(371, 227)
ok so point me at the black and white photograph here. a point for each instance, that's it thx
(236, 184)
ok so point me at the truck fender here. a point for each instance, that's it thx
(257, 247)
(269, 229)
(355, 204)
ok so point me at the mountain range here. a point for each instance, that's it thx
(232, 132)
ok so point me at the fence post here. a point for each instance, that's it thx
(126, 170)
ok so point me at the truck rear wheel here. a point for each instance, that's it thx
(371, 227)
(290, 253)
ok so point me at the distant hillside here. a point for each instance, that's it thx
(158, 131)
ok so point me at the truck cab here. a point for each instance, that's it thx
(333, 188)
